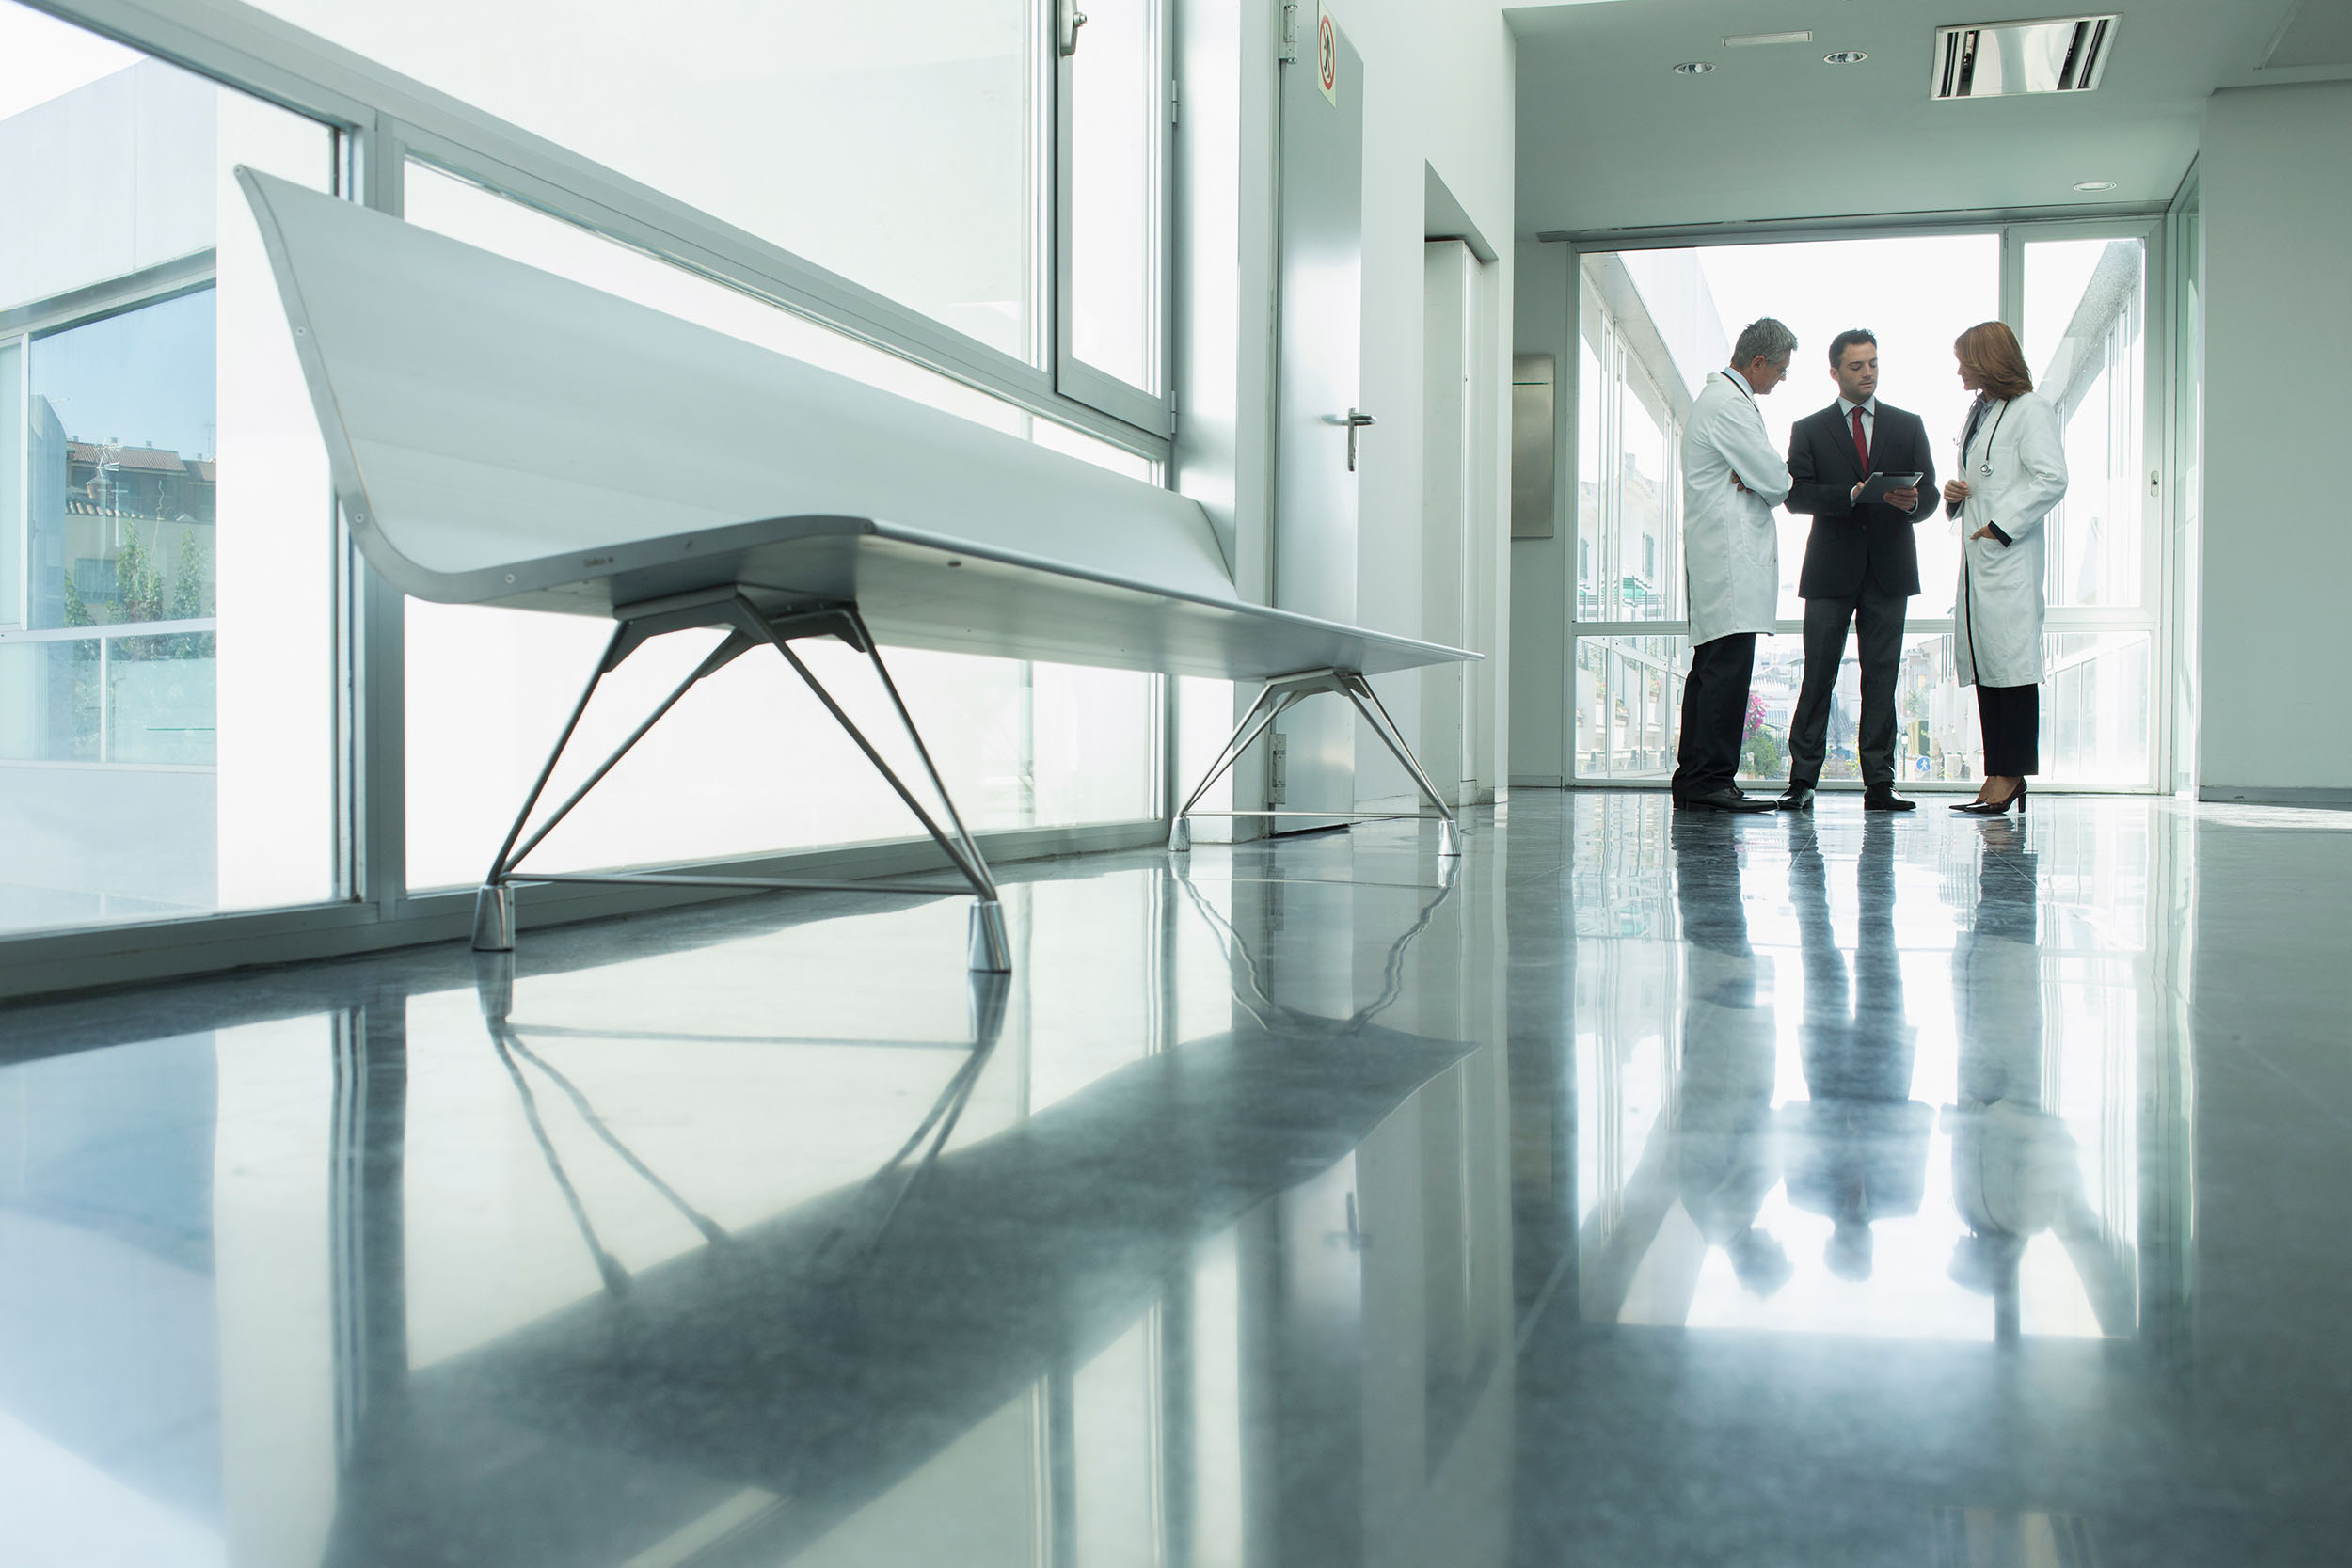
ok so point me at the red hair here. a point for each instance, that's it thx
(1989, 353)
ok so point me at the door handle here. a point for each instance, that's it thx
(1071, 20)
(1356, 420)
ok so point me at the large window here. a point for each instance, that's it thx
(892, 144)
(206, 703)
(167, 644)
(749, 763)
(911, 150)
(1113, 140)
(1656, 324)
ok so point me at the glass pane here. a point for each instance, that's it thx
(166, 707)
(1628, 705)
(435, 201)
(897, 145)
(123, 528)
(2084, 344)
(749, 763)
(1117, 85)
(11, 484)
(1644, 510)
(51, 712)
(1918, 294)
(1936, 739)
(1591, 399)
(2095, 709)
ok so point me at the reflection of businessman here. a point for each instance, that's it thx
(1724, 1165)
(2015, 1170)
(1858, 1148)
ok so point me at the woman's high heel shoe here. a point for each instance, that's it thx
(1998, 808)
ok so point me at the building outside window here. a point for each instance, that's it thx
(181, 731)
(166, 642)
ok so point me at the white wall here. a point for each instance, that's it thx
(1438, 85)
(63, 167)
(1439, 94)
(2277, 190)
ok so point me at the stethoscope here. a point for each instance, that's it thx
(1984, 466)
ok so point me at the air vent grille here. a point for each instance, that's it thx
(1998, 60)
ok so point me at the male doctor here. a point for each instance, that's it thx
(1732, 478)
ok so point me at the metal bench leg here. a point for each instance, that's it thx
(1359, 691)
(1272, 701)
(989, 950)
(494, 905)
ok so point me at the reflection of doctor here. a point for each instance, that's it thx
(2014, 1168)
(1858, 1148)
(1724, 1156)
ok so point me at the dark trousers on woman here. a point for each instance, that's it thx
(2011, 718)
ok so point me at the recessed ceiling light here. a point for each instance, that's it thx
(1845, 57)
(1756, 41)
(2096, 185)
(1695, 68)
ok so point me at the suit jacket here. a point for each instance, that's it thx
(1849, 541)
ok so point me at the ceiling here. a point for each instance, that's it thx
(1610, 137)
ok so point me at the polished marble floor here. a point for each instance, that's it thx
(1644, 1189)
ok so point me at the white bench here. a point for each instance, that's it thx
(499, 435)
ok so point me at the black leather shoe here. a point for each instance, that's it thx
(1728, 798)
(1797, 796)
(1886, 799)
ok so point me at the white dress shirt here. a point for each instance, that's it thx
(1869, 425)
(1870, 420)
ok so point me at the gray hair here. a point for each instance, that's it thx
(1763, 338)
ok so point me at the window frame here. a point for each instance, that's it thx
(1144, 408)
(380, 119)
(2157, 615)
(22, 328)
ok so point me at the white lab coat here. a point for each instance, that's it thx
(1731, 547)
(2000, 598)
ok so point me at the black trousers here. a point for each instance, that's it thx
(1714, 715)
(1879, 615)
(2011, 720)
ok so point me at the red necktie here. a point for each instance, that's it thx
(1860, 443)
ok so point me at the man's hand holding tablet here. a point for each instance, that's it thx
(1900, 491)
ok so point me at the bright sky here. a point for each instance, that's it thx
(1918, 294)
(144, 378)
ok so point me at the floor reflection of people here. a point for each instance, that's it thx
(2016, 1171)
(1724, 1160)
(1858, 1148)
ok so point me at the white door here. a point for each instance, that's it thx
(1320, 349)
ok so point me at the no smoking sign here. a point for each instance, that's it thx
(1327, 54)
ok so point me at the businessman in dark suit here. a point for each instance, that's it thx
(1861, 564)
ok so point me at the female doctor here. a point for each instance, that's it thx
(2012, 472)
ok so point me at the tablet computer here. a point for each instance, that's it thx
(1875, 487)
